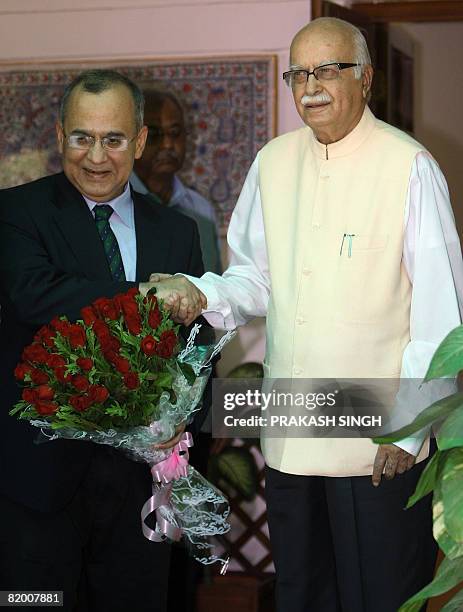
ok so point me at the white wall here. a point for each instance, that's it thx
(51, 30)
(438, 93)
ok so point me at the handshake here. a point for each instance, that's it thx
(183, 299)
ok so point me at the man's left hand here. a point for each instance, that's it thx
(391, 460)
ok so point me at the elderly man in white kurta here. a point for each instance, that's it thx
(377, 308)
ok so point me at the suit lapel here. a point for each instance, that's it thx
(153, 245)
(77, 225)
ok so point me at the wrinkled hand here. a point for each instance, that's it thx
(392, 460)
(174, 440)
(183, 299)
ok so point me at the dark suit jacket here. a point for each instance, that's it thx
(52, 262)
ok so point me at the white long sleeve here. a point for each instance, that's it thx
(242, 292)
(432, 258)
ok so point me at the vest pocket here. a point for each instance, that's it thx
(360, 284)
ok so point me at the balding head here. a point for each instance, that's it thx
(336, 30)
(331, 103)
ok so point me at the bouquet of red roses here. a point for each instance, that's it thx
(123, 376)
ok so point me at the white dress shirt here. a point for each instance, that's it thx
(122, 223)
(431, 255)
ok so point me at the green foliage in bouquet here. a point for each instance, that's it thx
(106, 371)
(443, 476)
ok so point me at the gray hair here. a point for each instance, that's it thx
(98, 80)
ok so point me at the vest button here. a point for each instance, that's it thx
(300, 321)
(306, 271)
(297, 371)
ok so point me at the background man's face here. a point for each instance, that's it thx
(334, 119)
(165, 146)
(98, 174)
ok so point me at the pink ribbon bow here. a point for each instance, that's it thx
(172, 468)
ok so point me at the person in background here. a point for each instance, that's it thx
(155, 172)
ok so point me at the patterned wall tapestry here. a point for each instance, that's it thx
(229, 102)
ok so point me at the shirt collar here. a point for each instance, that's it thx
(178, 191)
(349, 143)
(122, 206)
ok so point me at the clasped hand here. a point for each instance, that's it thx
(183, 299)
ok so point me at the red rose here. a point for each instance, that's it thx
(80, 402)
(77, 337)
(80, 383)
(121, 364)
(131, 315)
(38, 377)
(155, 318)
(110, 356)
(148, 345)
(167, 344)
(85, 363)
(61, 376)
(46, 335)
(21, 370)
(131, 380)
(60, 326)
(109, 343)
(101, 329)
(45, 392)
(55, 361)
(35, 353)
(44, 407)
(106, 308)
(151, 299)
(98, 394)
(29, 395)
(133, 291)
(133, 324)
(88, 315)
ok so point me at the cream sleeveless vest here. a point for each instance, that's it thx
(340, 296)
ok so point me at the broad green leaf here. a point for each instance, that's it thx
(449, 574)
(237, 466)
(435, 412)
(448, 358)
(455, 604)
(187, 372)
(450, 434)
(448, 545)
(452, 493)
(427, 480)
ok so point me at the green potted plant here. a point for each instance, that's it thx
(443, 476)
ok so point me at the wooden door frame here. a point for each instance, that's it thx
(413, 11)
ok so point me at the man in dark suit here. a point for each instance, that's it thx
(70, 511)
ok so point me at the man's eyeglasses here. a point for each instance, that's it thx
(327, 72)
(85, 142)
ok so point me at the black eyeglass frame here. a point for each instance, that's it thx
(340, 65)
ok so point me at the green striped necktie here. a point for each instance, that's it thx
(111, 246)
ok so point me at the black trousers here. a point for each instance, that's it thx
(93, 549)
(340, 544)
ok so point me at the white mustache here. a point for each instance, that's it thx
(318, 99)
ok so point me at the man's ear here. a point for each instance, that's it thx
(140, 142)
(59, 136)
(367, 79)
